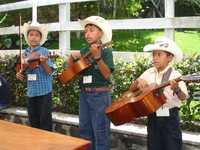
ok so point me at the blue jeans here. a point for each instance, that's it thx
(164, 133)
(40, 112)
(94, 124)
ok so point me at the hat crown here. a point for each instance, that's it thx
(102, 24)
(98, 19)
(35, 26)
(165, 44)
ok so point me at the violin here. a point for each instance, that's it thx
(29, 62)
(77, 67)
(32, 61)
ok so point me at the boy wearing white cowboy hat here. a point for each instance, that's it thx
(95, 83)
(39, 79)
(163, 128)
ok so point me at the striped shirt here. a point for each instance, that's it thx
(42, 84)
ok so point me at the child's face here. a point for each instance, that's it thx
(34, 38)
(92, 34)
(161, 59)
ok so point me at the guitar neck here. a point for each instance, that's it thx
(33, 59)
(101, 46)
(38, 58)
(167, 83)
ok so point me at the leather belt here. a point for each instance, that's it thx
(97, 89)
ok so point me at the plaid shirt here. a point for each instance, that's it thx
(43, 83)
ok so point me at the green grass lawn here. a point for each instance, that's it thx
(189, 41)
(130, 40)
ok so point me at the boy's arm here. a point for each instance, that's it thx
(46, 67)
(138, 84)
(105, 71)
(95, 50)
(20, 76)
(177, 90)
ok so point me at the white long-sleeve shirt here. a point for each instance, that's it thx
(153, 76)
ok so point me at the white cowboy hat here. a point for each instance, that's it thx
(35, 26)
(165, 44)
(102, 24)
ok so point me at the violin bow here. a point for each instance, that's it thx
(108, 44)
(20, 42)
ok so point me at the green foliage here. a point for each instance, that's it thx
(10, 42)
(65, 96)
(187, 7)
(130, 40)
(133, 8)
(190, 111)
(125, 72)
(7, 66)
(119, 8)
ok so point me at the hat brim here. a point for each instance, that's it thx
(178, 55)
(150, 47)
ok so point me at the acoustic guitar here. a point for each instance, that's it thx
(78, 66)
(130, 106)
(72, 71)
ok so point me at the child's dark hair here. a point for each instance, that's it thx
(90, 24)
(34, 30)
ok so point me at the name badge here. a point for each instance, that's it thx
(32, 77)
(162, 112)
(87, 79)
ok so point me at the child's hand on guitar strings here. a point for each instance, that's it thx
(142, 83)
(173, 84)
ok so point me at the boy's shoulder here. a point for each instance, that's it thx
(44, 48)
(84, 50)
(150, 70)
(107, 49)
(39, 47)
(176, 72)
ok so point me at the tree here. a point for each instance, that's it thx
(120, 9)
(155, 8)
(187, 7)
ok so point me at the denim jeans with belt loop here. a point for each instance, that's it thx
(94, 124)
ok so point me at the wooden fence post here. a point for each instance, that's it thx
(169, 13)
(64, 18)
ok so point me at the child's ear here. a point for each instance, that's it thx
(170, 57)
